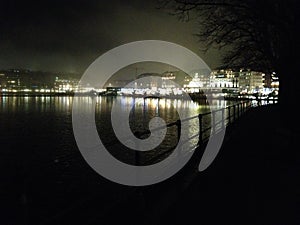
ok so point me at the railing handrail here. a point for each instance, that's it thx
(200, 116)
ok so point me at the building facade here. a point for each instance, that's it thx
(251, 81)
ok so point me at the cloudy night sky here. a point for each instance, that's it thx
(68, 36)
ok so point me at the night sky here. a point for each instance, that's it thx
(60, 35)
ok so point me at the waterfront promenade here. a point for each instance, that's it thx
(253, 180)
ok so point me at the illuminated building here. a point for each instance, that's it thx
(223, 79)
(198, 82)
(65, 85)
(10, 82)
(251, 81)
(3, 80)
(274, 82)
(168, 76)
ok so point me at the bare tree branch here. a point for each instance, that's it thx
(252, 29)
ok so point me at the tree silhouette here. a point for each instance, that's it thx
(260, 35)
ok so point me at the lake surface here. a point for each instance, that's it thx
(42, 171)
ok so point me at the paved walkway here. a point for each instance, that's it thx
(254, 179)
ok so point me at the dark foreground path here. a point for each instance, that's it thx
(254, 179)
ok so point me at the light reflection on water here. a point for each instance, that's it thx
(51, 117)
(64, 103)
(38, 145)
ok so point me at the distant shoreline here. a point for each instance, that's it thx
(193, 96)
(35, 94)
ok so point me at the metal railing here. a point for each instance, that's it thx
(228, 116)
(210, 123)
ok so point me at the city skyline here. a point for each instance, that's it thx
(243, 81)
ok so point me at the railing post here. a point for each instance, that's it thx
(229, 116)
(213, 127)
(243, 107)
(223, 118)
(234, 117)
(200, 142)
(136, 152)
(178, 123)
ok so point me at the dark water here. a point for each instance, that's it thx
(43, 175)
